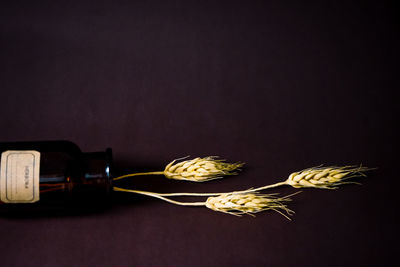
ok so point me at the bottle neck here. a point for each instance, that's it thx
(97, 176)
(98, 166)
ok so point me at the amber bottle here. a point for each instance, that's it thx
(52, 176)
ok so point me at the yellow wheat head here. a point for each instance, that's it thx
(248, 203)
(325, 177)
(201, 169)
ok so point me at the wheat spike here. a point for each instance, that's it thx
(325, 177)
(201, 169)
(243, 203)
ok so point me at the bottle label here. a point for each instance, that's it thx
(19, 176)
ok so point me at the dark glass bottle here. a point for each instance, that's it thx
(65, 178)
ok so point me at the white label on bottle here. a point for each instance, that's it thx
(19, 176)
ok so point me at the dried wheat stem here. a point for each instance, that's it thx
(258, 189)
(159, 196)
(138, 174)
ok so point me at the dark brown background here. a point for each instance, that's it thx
(282, 87)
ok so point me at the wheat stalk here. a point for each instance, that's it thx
(195, 170)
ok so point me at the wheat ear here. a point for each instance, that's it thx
(195, 170)
(201, 169)
(326, 177)
(249, 203)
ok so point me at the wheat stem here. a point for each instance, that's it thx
(159, 196)
(258, 189)
(137, 174)
(264, 187)
(216, 194)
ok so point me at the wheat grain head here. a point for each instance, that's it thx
(201, 169)
(325, 177)
(244, 203)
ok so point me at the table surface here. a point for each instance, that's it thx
(281, 87)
